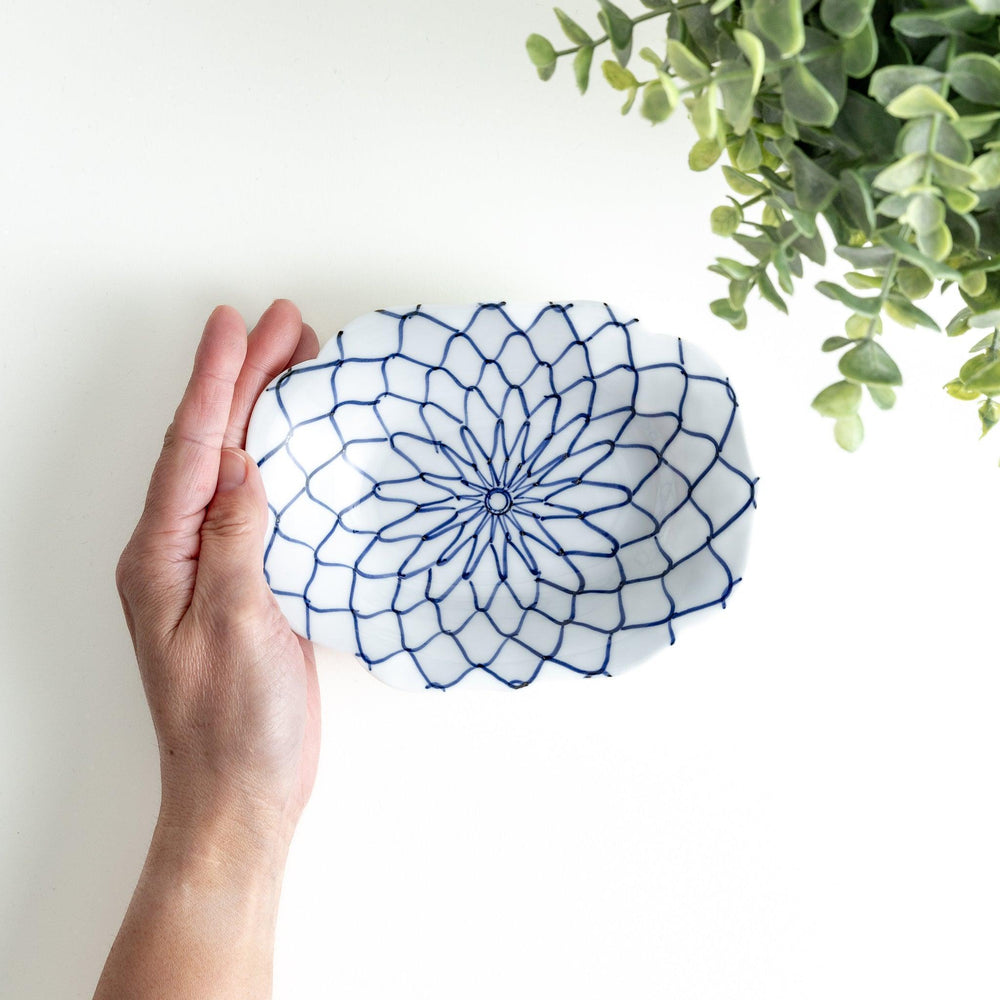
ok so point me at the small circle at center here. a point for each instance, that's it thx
(498, 501)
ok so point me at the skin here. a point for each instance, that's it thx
(232, 690)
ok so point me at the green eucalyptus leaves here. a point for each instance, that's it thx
(881, 118)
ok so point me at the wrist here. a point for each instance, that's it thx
(213, 806)
(222, 870)
(230, 837)
(202, 918)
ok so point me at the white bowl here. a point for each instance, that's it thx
(501, 491)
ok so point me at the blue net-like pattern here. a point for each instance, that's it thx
(462, 491)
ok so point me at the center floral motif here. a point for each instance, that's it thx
(498, 500)
(453, 495)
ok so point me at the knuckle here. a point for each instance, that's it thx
(227, 521)
(134, 573)
(125, 572)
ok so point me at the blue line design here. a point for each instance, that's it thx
(474, 508)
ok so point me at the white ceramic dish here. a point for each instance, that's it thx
(501, 491)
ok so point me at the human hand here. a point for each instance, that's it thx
(231, 689)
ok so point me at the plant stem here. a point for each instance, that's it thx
(673, 8)
(634, 20)
(752, 201)
(936, 119)
(887, 280)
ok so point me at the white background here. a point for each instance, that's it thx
(796, 800)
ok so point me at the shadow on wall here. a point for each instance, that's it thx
(84, 789)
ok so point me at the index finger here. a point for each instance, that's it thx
(186, 473)
(269, 349)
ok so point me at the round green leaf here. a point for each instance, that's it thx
(957, 390)
(845, 17)
(770, 216)
(866, 305)
(904, 312)
(814, 187)
(870, 363)
(619, 77)
(902, 174)
(669, 88)
(959, 324)
(835, 343)
(705, 113)
(957, 20)
(936, 243)
(973, 366)
(987, 168)
(924, 213)
(620, 52)
(893, 206)
(951, 173)
(738, 291)
(863, 281)
(838, 400)
(989, 415)
(726, 220)
(856, 195)
(889, 82)
(920, 100)
(734, 268)
(976, 126)
(685, 63)
(973, 283)
(849, 432)
(984, 320)
(918, 134)
(724, 309)
(914, 282)
(703, 154)
(861, 52)
(806, 99)
(977, 77)
(883, 397)
(859, 327)
(581, 67)
(959, 199)
(769, 293)
(738, 101)
(985, 378)
(742, 184)
(619, 25)
(656, 105)
(780, 23)
(749, 156)
(572, 30)
(540, 51)
(753, 48)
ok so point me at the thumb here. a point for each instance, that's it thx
(230, 562)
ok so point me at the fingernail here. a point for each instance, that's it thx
(232, 470)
